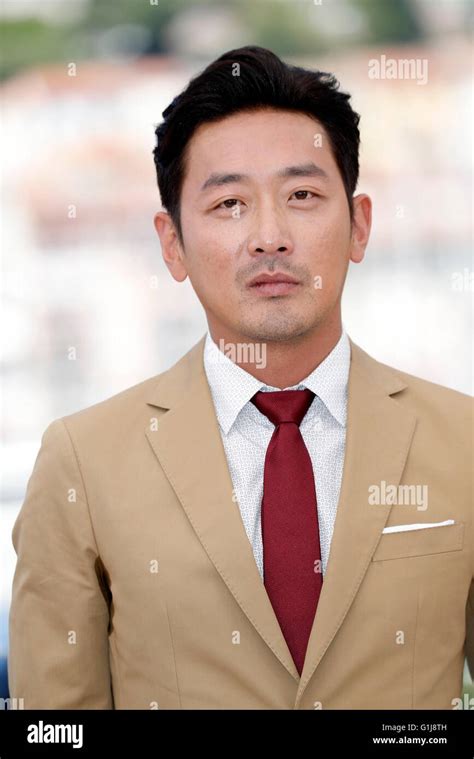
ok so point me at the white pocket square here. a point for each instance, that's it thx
(418, 526)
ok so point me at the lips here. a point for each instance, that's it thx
(277, 277)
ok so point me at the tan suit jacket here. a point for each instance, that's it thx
(136, 586)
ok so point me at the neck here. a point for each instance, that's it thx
(278, 364)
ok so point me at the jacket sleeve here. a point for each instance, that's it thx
(59, 615)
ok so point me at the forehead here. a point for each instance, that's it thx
(257, 143)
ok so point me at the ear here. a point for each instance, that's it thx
(171, 248)
(361, 224)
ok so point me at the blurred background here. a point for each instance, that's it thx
(89, 306)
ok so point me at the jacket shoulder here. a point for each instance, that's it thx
(132, 403)
(433, 392)
(118, 403)
(427, 399)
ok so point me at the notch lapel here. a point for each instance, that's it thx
(378, 437)
(188, 445)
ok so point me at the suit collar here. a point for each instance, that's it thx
(173, 384)
(232, 387)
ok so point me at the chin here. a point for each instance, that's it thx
(276, 330)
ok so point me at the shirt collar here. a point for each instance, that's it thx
(232, 387)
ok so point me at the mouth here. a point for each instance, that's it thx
(273, 284)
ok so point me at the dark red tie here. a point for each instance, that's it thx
(292, 571)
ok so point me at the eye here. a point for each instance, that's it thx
(304, 192)
(225, 203)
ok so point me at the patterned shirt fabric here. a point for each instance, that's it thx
(246, 433)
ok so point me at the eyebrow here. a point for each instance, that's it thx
(302, 170)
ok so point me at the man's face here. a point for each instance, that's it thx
(263, 194)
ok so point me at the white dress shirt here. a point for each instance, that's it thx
(246, 433)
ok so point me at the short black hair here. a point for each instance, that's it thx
(263, 80)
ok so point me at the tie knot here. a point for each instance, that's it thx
(284, 405)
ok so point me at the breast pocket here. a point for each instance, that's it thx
(421, 542)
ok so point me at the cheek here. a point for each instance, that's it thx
(211, 246)
(328, 252)
(210, 267)
(327, 232)
(329, 248)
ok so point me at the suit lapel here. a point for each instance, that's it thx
(378, 437)
(188, 445)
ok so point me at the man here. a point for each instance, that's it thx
(278, 521)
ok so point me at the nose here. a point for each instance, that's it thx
(270, 235)
(269, 246)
